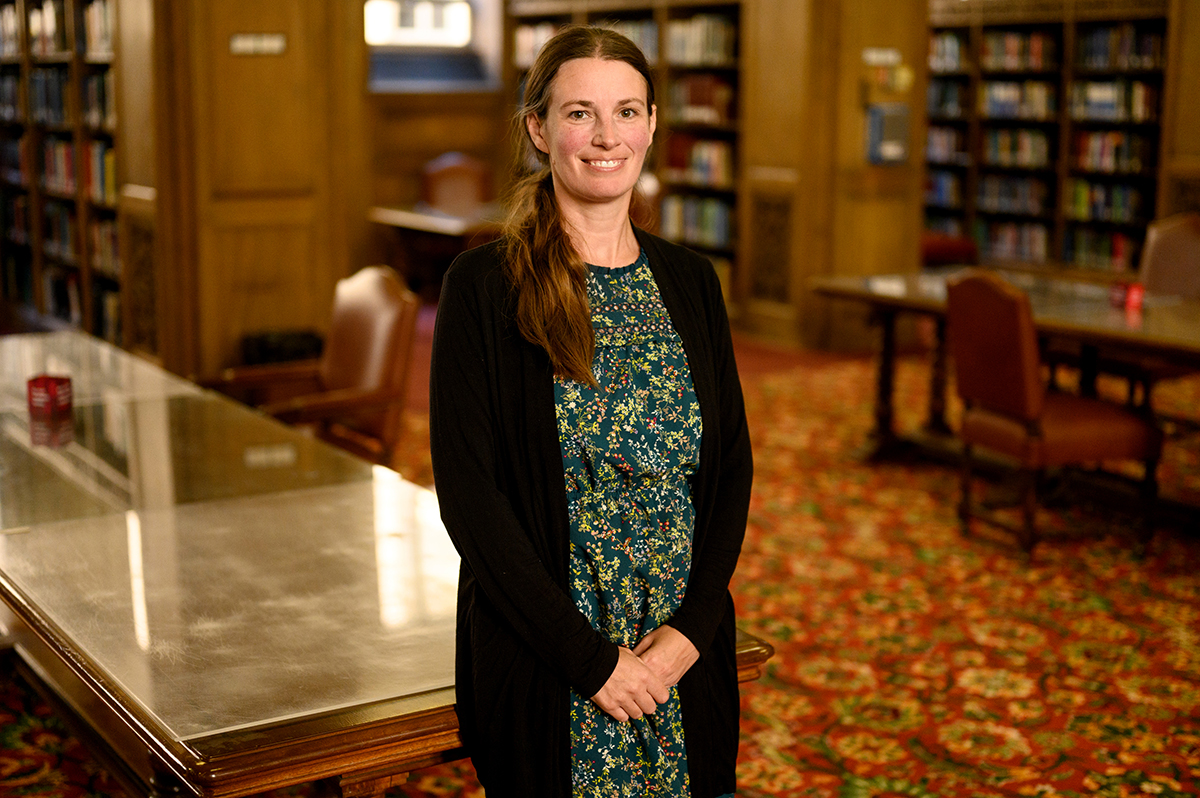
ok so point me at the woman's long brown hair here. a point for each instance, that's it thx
(547, 274)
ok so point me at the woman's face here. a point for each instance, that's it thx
(596, 131)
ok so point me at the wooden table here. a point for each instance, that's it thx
(223, 605)
(1166, 327)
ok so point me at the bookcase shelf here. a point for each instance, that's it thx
(58, 150)
(694, 49)
(1044, 131)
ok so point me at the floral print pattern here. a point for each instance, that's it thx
(630, 446)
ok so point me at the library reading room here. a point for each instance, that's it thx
(862, 338)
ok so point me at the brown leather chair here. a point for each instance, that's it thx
(1009, 411)
(1170, 262)
(353, 395)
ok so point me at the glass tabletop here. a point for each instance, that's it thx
(231, 613)
(98, 370)
(1167, 323)
(226, 571)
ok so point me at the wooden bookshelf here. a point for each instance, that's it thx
(58, 145)
(693, 46)
(1045, 128)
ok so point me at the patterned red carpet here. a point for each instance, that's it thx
(910, 661)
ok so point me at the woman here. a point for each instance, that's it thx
(592, 463)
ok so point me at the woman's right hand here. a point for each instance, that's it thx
(632, 690)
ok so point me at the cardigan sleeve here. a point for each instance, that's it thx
(714, 562)
(477, 514)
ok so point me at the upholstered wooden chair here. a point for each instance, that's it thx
(1007, 409)
(353, 395)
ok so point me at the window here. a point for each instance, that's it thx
(433, 45)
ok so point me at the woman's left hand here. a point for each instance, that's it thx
(668, 653)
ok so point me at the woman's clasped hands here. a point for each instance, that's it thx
(643, 677)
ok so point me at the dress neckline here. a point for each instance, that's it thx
(617, 271)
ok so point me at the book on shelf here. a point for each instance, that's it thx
(1007, 99)
(642, 32)
(944, 99)
(699, 162)
(943, 189)
(99, 173)
(58, 236)
(703, 99)
(1020, 241)
(1021, 195)
(61, 289)
(1113, 151)
(99, 100)
(702, 40)
(10, 98)
(1114, 101)
(701, 221)
(944, 145)
(1013, 51)
(48, 90)
(58, 166)
(946, 52)
(98, 28)
(48, 28)
(1085, 201)
(1097, 249)
(1022, 148)
(528, 40)
(10, 31)
(1119, 47)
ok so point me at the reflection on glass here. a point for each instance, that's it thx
(137, 580)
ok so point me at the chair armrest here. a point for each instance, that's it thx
(320, 406)
(252, 376)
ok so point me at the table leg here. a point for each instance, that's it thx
(884, 436)
(937, 382)
(1089, 368)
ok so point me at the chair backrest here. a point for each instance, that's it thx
(456, 184)
(1171, 256)
(370, 342)
(994, 345)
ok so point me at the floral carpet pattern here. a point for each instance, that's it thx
(910, 661)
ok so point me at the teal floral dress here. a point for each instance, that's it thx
(629, 449)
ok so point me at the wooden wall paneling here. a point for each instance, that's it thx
(136, 174)
(1179, 183)
(776, 112)
(877, 214)
(263, 193)
(348, 164)
(176, 267)
(135, 92)
(261, 123)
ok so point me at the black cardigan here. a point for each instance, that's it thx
(498, 472)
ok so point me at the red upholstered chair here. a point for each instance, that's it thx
(1008, 410)
(353, 395)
